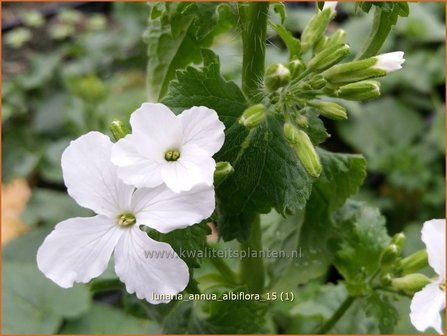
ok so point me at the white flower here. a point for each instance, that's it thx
(331, 5)
(79, 249)
(390, 62)
(170, 149)
(430, 301)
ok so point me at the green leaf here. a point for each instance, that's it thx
(379, 306)
(217, 317)
(314, 232)
(267, 174)
(33, 304)
(206, 87)
(24, 248)
(175, 38)
(359, 251)
(102, 319)
(341, 177)
(50, 207)
(187, 242)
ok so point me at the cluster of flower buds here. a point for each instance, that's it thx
(400, 273)
(299, 84)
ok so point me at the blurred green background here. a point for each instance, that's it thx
(68, 69)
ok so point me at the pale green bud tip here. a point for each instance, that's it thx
(363, 90)
(390, 61)
(223, 169)
(290, 133)
(119, 130)
(331, 110)
(276, 76)
(414, 262)
(303, 148)
(295, 67)
(389, 255)
(398, 239)
(253, 116)
(410, 283)
(126, 219)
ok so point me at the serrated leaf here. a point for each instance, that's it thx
(314, 232)
(359, 252)
(33, 304)
(379, 306)
(267, 175)
(206, 87)
(175, 38)
(341, 177)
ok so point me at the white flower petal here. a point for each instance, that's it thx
(194, 167)
(135, 168)
(91, 178)
(78, 249)
(390, 61)
(433, 235)
(426, 306)
(164, 274)
(331, 5)
(156, 126)
(202, 127)
(164, 210)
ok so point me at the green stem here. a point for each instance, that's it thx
(253, 25)
(224, 270)
(252, 268)
(337, 315)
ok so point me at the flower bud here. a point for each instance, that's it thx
(317, 26)
(253, 116)
(330, 110)
(398, 239)
(328, 57)
(389, 255)
(119, 130)
(414, 262)
(276, 76)
(295, 67)
(318, 82)
(223, 169)
(331, 6)
(302, 121)
(410, 283)
(303, 148)
(372, 67)
(386, 279)
(390, 62)
(338, 37)
(363, 90)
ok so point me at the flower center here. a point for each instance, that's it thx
(126, 219)
(172, 155)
